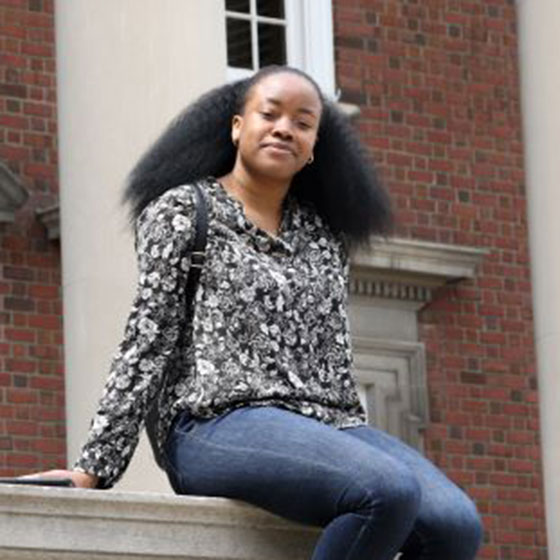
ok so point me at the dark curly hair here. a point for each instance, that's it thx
(341, 183)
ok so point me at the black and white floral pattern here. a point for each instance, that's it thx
(269, 327)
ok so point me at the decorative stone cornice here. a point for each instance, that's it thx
(411, 270)
(50, 218)
(74, 524)
(372, 287)
(12, 194)
(349, 109)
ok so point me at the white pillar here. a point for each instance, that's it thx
(124, 70)
(539, 35)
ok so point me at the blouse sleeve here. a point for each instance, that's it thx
(344, 260)
(164, 236)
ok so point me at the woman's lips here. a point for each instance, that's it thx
(278, 148)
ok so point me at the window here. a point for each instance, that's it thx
(293, 32)
(256, 34)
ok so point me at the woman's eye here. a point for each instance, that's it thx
(267, 115)
(304, 125)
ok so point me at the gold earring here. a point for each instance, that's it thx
(311, 160)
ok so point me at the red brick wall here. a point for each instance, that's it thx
(32, 433)
(437, 84)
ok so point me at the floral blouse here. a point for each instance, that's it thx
(269, 325)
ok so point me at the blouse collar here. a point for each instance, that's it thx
(230, 211)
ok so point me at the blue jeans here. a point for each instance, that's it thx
(374, 495)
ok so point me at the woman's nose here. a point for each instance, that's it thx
(283, 128)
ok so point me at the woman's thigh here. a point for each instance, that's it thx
(291, 465)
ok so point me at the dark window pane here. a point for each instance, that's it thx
(271, 8)
(272, 44)
(239, 43)
(238, 6)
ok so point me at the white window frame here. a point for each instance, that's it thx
(309, 41)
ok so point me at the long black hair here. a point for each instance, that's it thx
(341, 183)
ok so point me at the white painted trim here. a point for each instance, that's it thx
(254, 35)
(234, 74)
(261, 19)
(319, 43)
(294, 33)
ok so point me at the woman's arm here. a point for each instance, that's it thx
(165, 232)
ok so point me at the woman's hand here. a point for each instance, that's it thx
(80, 479)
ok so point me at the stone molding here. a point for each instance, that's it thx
(392, 374)
(12, 194)
(409, 269)
(73, 524)
(50, 218)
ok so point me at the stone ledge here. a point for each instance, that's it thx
(73, 524)
(432, 263)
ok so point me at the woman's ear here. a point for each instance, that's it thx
(236, 123)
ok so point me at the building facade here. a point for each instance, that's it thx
(453, 98)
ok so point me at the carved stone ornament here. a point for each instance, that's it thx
(12, 194)
(50, 218)
(392, 385)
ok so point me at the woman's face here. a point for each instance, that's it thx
(276, 133)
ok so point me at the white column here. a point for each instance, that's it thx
(539, 34)
(124, 70)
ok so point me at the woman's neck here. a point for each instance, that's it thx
(262, 198)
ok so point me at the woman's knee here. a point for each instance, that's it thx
(467, 528)
(459, 530)
(396, 494)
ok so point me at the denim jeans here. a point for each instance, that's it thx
(374, 495)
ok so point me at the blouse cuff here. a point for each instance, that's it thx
(106, 476)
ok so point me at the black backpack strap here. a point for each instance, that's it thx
(198, 253)
(198, 257)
